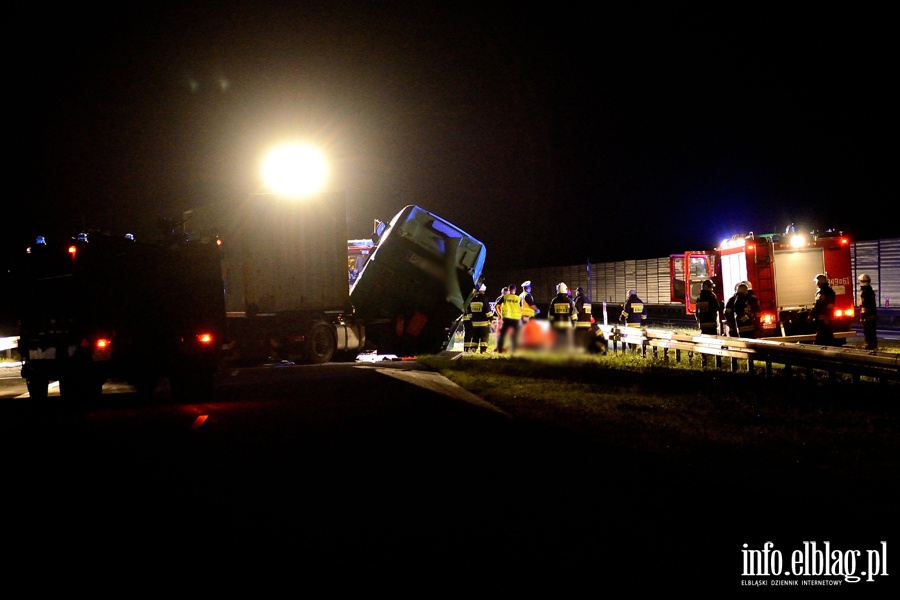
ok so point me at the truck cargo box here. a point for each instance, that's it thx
(279, 254)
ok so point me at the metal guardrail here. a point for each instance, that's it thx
(787, 352)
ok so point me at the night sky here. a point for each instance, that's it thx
(553, 134)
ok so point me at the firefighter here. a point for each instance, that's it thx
(562, 315)
(468, 344)
(728, 314)
(583, 319)
(481, 320)
(823, 311)
(709, 311)
(634, 311)
(743, 318)
(497, 317)
(529, 308)
(511, 313)
(868, 312)
(753, 308)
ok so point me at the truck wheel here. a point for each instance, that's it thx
(321, 343)
(38, 388)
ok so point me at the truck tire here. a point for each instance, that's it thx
(37, 388)
(321, 343)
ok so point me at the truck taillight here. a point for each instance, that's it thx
(767, 320)
(102, 349)
(205, 339)
(847, 312)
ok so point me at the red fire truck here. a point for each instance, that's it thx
(780, 268)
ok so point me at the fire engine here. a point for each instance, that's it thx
(780, 269)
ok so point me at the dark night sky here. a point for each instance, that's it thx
(553, 135)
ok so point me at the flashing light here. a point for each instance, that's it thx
(72, 250)
(734, 242)
(102, 343)
(767, 319)
(798, 241)
(205, 338)
(844, 241)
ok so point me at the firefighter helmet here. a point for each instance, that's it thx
(632, 292)
(820, 279)
(864, 278)
(742, 287)
(561, 288)
(708, 284)
(526, 284)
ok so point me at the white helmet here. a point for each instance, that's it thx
(483, 288)
(562, 288)
(864, 278)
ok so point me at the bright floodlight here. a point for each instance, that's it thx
(297, 170)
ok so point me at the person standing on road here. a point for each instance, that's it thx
(634, 311)
(582, 319)
(868, 311)
(562, 315)
(743, 318)
(511, 312)
(709, 311)
(752, 310)
(468, 345)
(823, 311)
(481, 321)
(529, 308)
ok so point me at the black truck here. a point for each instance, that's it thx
(98, 307)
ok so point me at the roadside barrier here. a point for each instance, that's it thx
(787, 353)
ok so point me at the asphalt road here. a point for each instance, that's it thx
(376, 477)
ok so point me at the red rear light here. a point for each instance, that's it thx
(847, 312)
(102, 349)
(205, 338)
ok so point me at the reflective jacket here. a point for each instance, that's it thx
(582, 312)
(511, 308)
(634, 311)
(561, 313)
(708, 311)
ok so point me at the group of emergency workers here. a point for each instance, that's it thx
(573, 326)
(569, 318)
(739, 316)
